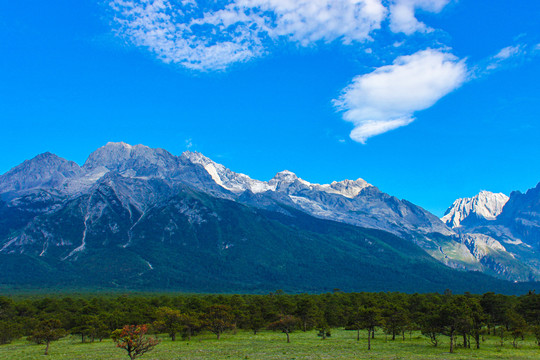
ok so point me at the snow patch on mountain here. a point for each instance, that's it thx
(235, 182)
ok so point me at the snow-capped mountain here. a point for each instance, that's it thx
(283, 181)
(352, 201)
(356, 202)
(52, 208)
(483, 206)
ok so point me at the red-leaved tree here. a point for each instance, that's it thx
(133, 339)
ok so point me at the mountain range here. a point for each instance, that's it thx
(137, 217)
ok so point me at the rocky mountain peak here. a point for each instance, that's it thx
(43, 171)
(287, 181)
(285, 176)
(523, 205)
(140, 160)
(45, 155)
(485, 205)
(196, 157)
(349, 188)
(219, 173)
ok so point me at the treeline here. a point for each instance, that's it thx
(464, 319)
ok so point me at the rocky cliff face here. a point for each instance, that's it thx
(521, 215)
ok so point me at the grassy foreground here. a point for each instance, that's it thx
(270, 345)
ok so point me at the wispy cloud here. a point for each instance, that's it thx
(507, 52)
(388, 97)
(175, 33)
(502, 56)
(508, 56)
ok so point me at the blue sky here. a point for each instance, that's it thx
(429, 100)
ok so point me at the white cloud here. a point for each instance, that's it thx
(505, 58)
(168, 31)
(308, 21)
(507, 52)
(214, 35)
(387, 98)
(402, 14)
(504, 55)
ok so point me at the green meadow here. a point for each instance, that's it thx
(272, 345)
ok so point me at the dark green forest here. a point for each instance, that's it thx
(463, 319)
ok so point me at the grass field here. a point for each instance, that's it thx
(270, 345)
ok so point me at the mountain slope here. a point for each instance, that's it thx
(196, 242)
